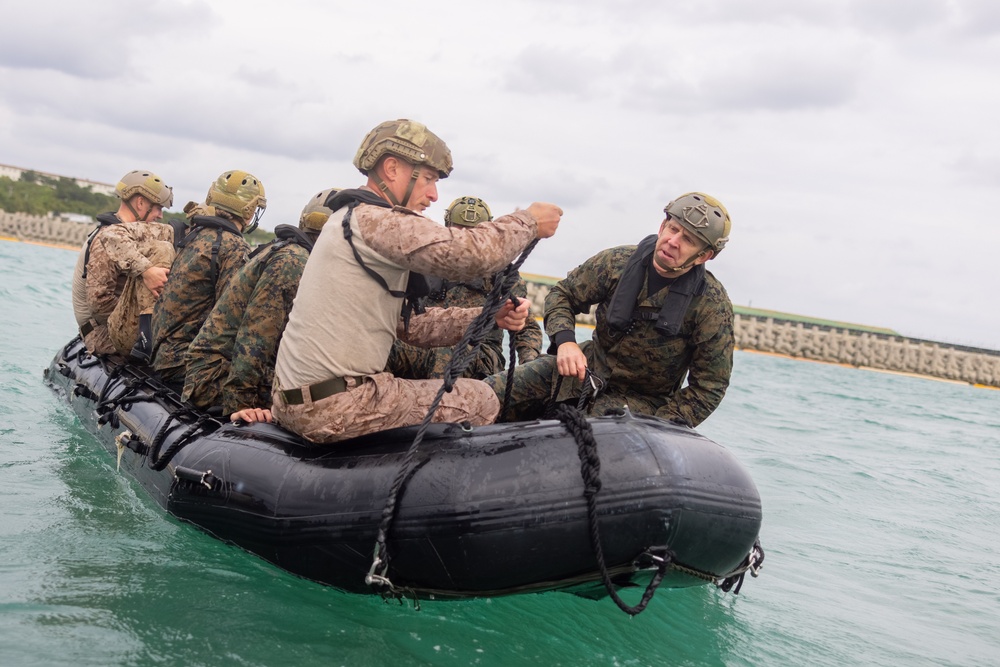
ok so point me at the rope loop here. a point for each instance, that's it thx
(590, 468)
(464, 353)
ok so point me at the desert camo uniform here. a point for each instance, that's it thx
(413, 362)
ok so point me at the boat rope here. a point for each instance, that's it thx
(590, 388)
(463, 354)
(157, 462)
(752, 564)
(732, 581)
(509, 382)
(590, 468)
(107, 407)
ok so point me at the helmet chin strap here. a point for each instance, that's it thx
(414, 175)
(385, 190)
(686, 265)
(250, 226)
(409, 187)
(135, 215)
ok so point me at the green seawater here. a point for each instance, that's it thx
(881, 502)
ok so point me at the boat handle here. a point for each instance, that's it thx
(206, 479)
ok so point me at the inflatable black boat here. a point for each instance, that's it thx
(488, 511)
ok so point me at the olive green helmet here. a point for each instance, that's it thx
(147, 184)
(467, 212)
(239, 193)
(406, 139)
(315, 214)
(704, 216)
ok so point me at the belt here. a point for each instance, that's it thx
(87, 327)
(317, 391)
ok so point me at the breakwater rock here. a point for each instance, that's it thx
(44, 229)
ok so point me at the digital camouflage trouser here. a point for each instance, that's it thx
(382, 402)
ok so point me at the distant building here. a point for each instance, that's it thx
(14, 173)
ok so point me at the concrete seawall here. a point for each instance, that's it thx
(866, 349)
(44, 229)
(762, 331)
(852, 345)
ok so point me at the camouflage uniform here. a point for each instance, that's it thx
(231, 360)
(190, 293)
(641, 368)
(409, 361)
(136, 299)
(322, 344)
(113, 287)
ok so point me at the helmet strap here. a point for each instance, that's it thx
(135, 215)
(385, 189)
(409, 187)
(688, 264)
(251, 226)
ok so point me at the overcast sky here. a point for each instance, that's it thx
(855, 142)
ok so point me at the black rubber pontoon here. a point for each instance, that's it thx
(488, 511)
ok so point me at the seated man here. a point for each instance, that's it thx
(208, 257)
(661, 317)
(231, 360)
(123, 265)
(410, 361)
(329, 378)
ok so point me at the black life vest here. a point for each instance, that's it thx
(180, 230)
(283, 235)
(623, 308)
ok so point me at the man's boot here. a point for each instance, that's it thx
(144, 343)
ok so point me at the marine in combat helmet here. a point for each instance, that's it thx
(663, 343)
(357, 288)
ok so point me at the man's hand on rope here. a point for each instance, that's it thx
(511, 317)
(571, 361)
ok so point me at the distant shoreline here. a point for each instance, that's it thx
(870, 368)
(60, 246)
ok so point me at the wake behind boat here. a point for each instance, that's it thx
(485, 511)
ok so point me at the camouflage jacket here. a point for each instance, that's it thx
(238, 343)
(472, 294)
(117, 251)
(641, 367)
(190, 292)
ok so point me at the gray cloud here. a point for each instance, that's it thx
(785, 80)
(92, 41)
(976, 169)
(979, 17)
(895, 17)
(544, 70)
